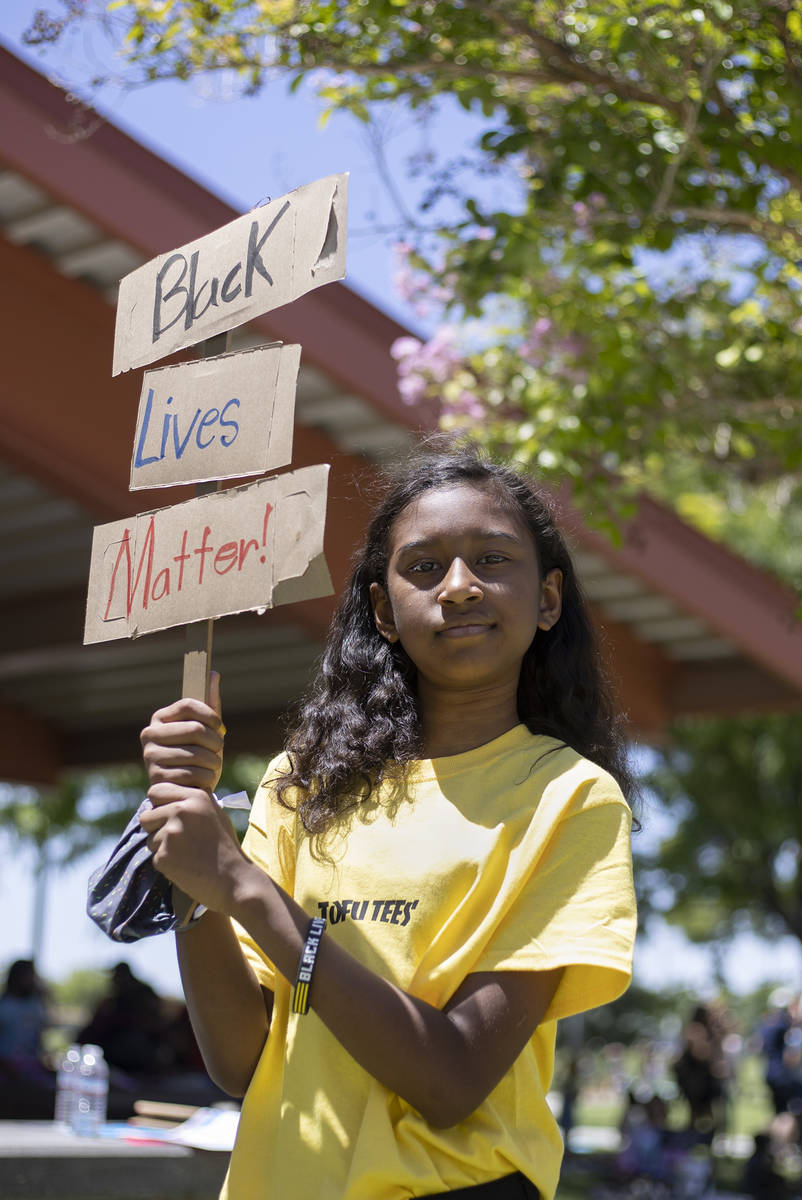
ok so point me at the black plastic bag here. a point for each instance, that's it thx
(129, 899)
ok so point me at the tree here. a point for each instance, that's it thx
(639, 296)
(734, 859)
(63, 823)
(632, 307)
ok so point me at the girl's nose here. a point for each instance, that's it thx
(459, 584)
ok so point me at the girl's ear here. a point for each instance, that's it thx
(383, 612)
(551, 599)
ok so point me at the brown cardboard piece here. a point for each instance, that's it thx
(216, 418)
(266, 258)
(246, 548)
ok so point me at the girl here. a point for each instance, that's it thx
(450, 811)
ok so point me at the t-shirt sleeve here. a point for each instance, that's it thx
(269, 842)
(577, 910)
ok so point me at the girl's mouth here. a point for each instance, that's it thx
(469, 629)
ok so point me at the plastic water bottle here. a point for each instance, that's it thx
(66, 1086)
(91, 1094)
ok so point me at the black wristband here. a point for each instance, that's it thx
(306, 967)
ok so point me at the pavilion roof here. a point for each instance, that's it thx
(690, 627)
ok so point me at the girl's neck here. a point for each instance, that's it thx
(454, 723)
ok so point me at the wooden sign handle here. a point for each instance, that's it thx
(198, 643)
(198, 646)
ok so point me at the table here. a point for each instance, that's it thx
(38, 1161)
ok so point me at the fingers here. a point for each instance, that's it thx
(190, 766)
(175, 744)
(169, 805)
(198, 716)
(189, 775)
(169, 800)
(183, 745)
(193, 844)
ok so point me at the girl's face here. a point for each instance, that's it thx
(464, 595)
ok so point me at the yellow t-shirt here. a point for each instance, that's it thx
(512, 856)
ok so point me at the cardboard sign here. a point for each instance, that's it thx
(216, 418)
(264, 259)
(251, 547)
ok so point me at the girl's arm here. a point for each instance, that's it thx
(442, 1062)
(229, 1011)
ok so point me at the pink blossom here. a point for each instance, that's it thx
(406, 284)
(467, 404)
(532, 349)
(411, 388)
(404, 347)
(582, 214)
(465, 410)
(424, 365)
(570, 346)
(438, 357)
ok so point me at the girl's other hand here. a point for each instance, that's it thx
(194, 845)
(183, 746)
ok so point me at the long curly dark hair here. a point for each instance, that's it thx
(359, 722)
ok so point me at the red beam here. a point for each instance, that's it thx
(642, 675)
(29, 749)
(730, 688)
(133, 195)
(737, 601)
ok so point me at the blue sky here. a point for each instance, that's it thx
(247, 148)
(244, 150)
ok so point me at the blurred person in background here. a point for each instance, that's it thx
(761, 1179)
(780, 1038)
(701, 1070)
(26, 1084)
(129, 1025)
(23, 1013)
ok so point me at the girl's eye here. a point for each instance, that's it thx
(492, 558)
(426, 564)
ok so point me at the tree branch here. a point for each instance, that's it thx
(689, 130)
(773, 901)
(743, 220)
(788, 173)
(573, 69)
(780, 21)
